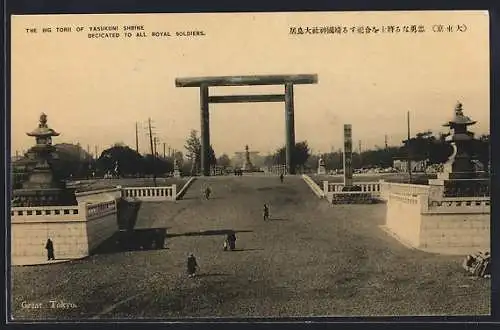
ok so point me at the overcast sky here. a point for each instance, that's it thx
(94, 90)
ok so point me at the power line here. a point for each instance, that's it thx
(152, 149)
(136, 138)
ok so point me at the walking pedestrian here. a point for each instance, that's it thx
(231, 240)
(50, 250)
(192, 265)
(281, 177)
(266, 212)
(208, 191)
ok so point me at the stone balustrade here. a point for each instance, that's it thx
(95, 196)
(365, 186)
(74, 230)
(100, 209)
(31, 214)
(371, 189)
(448, 225)
(460, 205)
(387, 188)
(150, 193)
(407, 199)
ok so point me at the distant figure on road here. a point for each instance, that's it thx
(266, 212)
(281, 177)
(231, 241)
(50, 250)
(208, 191)
(192, 265)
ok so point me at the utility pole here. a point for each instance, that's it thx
(360, 158)
(152, 150)
(385, 140)
(169, 152)
(164, 150)
(95, 149)
(155, 143)
(136, 138)
(408, 146)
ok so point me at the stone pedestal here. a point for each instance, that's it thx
(459, 178)
(348, 155)
(321, 166)
(247, 164)
(177, 172)
(42, 188)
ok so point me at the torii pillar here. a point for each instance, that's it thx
(205, 82)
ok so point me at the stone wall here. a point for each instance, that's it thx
(74, 230)
(459, 222)
(451, 225)
(387, 188)
(404, 217)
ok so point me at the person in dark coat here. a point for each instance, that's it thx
(231, 240)
(281, 177)
(208, 191)
(50, 250)
(266, 212)
(192, 265)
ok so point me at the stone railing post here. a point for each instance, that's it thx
(423, 200)
(82, 211)
(325, 187)
(174, 192)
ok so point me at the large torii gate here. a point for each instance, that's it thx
(205, 82)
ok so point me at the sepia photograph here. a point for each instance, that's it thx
(178, 166)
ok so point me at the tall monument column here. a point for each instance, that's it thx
(290, 128)
(347, 155)
(247, 165)
(205, 131)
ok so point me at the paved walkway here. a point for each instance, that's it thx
(310, 259)
(32, 261)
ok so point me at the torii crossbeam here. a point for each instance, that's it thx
(205, 82)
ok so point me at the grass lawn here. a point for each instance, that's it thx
(310, 259)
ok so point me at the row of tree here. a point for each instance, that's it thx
(73, 162)
(423, 146)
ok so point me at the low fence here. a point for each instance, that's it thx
(151, 194)
(378, 190)
(369, 191)
(373, 187)
(97, 210)
(217, 170)
(276, 169)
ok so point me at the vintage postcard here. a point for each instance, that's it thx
(249, 165)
